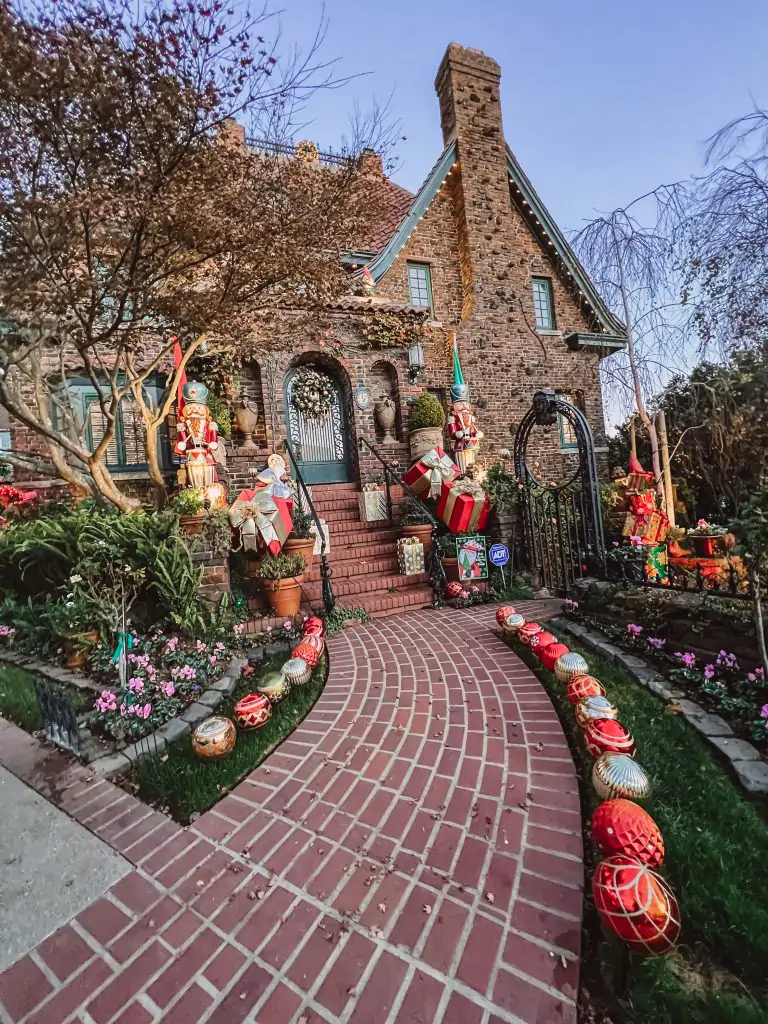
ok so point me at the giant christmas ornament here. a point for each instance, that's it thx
(314, 625)
(620, 826)
(619, 775)
(542, 640)
(307, 651)
(253, 711)
(454, 589)
(637, 904)
(214, 738)
(608, 736)
(314, 641)
(527, 632)
(513, 623)
(274, 687)
(503, 612)
(550, 654)
(297, 671)
(583, 686)
(569, 665)
(197, 437)
(592, 708)
(462, 423)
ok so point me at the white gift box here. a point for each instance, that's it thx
(373, 504)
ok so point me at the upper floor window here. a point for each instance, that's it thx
(420, 284)
(542, 304)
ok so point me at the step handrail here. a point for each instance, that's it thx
(437, 577)
(329, 601)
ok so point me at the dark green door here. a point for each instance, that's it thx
(321, 446)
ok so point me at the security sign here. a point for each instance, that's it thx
(498, 554)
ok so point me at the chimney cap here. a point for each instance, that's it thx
(470, 60)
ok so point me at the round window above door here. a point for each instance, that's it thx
(320, 442)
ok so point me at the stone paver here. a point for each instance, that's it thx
(411, 854)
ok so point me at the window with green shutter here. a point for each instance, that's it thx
(420, 285)
(543, 307)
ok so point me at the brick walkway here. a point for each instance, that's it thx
(412, 854)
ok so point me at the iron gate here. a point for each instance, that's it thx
(562, 520)
(320, 446)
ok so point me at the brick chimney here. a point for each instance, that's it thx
(370, 163)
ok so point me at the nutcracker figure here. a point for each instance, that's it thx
(462, 422)
(198, 437)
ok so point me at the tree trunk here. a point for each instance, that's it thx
(759, 624)
(153, 464)
(109, 489)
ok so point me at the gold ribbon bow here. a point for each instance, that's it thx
(441, 469)
(252, 518)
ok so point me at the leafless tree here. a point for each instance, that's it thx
(133, 217)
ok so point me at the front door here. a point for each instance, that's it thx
(321, 445)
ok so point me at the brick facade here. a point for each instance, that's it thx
(479, 240)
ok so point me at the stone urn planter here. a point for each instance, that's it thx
(246, 420)
(385, 412)
(424, 440)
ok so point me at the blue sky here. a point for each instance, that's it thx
(601, 100)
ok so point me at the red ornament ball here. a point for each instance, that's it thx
(314, 625)
(542, 640)
(550, 654)
(606, 735)
(637, 904)
(527, 632)
(307, 651)
(253, 711)
(503, 612)
(621, 826)
(584, 686)
(453, 589)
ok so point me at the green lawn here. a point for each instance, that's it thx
(716, 859)
(18, 702)
(183, 784)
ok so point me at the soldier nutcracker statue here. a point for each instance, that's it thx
(198, 438)
(462, 422)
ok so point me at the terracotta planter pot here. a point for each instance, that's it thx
(284, 596)
(421, 530)
(424, 440)
(451, 566)
(76, 647)
(708, 547)
(300, 546)
(190, 526)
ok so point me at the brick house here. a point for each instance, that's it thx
(474, 252)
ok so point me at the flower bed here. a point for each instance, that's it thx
(720, 683)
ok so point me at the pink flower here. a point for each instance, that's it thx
(633, 629)
(709, 671)
(239, 628)
(764, 711)
(751, 677)
(615, 543)
(212, 659)
(702, 524)
(219, 646)
(123, 709)
(145, 711)
(172, 644)
(475, 590)
(636, 541)
(689, 659)
(168, 688)
(200, 646)
(7, 631)
(136, 684)
(465, 593)
(760, 671)
(287, 624)
(656, 641)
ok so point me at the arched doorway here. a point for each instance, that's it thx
(322, 445)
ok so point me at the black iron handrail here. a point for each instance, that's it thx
(325, 569)
(437, 577)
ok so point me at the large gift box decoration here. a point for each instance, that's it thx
(463, 505)
(373, 503)
(651, 528)
(410, 555)
(262, 518)
(429, 474)
(657, 564)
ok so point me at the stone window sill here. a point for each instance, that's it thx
(549, 334)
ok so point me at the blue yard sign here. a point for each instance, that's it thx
(498, 554)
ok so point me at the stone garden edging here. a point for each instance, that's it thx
(743, 758)
(123, 760)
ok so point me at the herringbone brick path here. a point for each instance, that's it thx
(412, 854)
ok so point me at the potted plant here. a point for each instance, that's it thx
(71, 619)
(282, 576)
(426, 425)
(708, 539)
(189, 505)
(301, 539)
(446, 548)
(414, 522)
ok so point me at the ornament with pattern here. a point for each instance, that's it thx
(550, 654)
(621, 826)
(308, 652)
(297, 671)
(503, 612)
(527, 632)
(253, 711)
(314, 625)
(275, 686)
(584, 686)
(569, 665)
(214, 738)
(453, 589)
(606, 735)
(592, 708)
(541, 641)
(637, 905)
(620, 775)
(513, 623)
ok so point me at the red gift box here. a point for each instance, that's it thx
(432, 470)
(261, 516)
(463, 505)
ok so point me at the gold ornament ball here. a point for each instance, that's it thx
(513, 623)
(275, 687)
(214, 738)
(619, 775)
(592, 708)
(569, 665)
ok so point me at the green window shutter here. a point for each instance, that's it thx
(96, 425)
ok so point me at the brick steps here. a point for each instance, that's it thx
(356, 566)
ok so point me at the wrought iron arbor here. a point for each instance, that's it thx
(562, 522)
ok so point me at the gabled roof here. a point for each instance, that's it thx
(540, 220)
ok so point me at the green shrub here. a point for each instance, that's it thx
(413, 514)
(188, 502)
(427, 411)
(281, 567)
(502, 488)
(302, 523)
